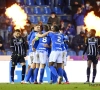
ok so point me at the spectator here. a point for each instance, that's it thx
(92, 2)
(62, 25)
(2, 21)
(2, 45)
(75, 4)
(53, 18)
(88, 8)
(79, 20)
(97, 8)
(78, 42)
(70, 32)
(87, 5)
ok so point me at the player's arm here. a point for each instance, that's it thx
(43, 35)
(12, 45)
(85, 49)
(98, 48)
(35, 39)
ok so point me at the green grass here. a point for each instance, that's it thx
(72, 86)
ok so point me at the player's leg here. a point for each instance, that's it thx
(22, 62)
(28, 69)
(53, 72)
(52, 60)
(31, 69)
(37, 62)
(88, 69)
(43, 60)
(65, 75)
(95, 61)
(31, 73)
(63, 65)
(13, 62)
(59, 66)
(30, 57)
(12, 73)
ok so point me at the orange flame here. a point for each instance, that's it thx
(18, 16)
(92, 22)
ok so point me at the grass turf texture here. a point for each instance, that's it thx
(72, 86)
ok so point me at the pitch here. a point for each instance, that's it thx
(72, 86)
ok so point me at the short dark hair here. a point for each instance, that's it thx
(93, 30)
(56, 28)
(46, 28)
(53, 13)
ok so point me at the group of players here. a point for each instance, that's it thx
(49, 47)
(45, 47)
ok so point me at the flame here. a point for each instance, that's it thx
(92, 22)
(18, 16)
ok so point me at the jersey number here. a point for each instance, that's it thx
(44, 39)
(59, 39)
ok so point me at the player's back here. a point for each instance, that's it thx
(56, 39)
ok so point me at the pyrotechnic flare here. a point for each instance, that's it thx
(18, 16)
(92, 22)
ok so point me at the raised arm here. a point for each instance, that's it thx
(43, 35)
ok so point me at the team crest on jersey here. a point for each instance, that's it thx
(13, 63)
(20, 40)
(95, 40)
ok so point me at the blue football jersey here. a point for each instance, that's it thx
(64, 45)
(30, 38)
(56, 39)
(42, 41)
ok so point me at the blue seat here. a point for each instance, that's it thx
(72, 53)
(57, 10)
(63, 18)
(48, 2)
(66, 10)
(1, 53)
(28, 10)
(9, 53)
(40, 2)
(80, 53)
(44, 19)
(34, 19)
(37, 10)
(47, 10)
(30, 2)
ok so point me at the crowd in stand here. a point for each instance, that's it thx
(78, 9)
